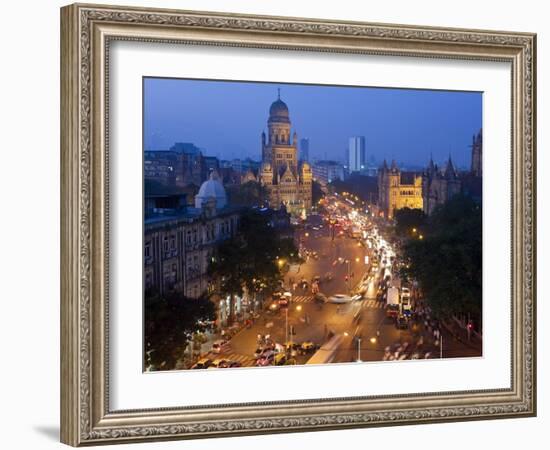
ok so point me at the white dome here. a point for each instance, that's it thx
(211, 188)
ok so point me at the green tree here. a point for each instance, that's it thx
(169, 323)
(251, 258)
(316, 192)
(447, 262)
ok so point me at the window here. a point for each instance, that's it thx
(147, 249)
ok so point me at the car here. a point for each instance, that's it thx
(203, 363)
(401, 323)
(319, 297)
(265, 359)
(339, 298)
(392, 311)
(275, 306)
(233, 364)
(220, 345)
(307, 346)
(279, 359)
(283, 302)
(218, 363)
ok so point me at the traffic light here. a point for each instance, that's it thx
(470, 326)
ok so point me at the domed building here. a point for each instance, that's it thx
(211, 189)
(287, 181)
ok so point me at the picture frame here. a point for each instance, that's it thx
(87, 32)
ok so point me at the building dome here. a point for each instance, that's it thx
(278, 112)
(211, 189)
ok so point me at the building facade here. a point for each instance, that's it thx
(477, 155)
(398, 189)
(179, 243)
(356, 154)
(287, 180)
(327, 171)
(439, 186)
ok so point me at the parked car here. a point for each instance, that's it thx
(339, 298)
(279, 359)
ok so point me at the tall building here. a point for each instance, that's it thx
(356, 154)
(287, 181)
(477, 155)
(304, 149)
(398, 189)
(439, 186)
(327, 171)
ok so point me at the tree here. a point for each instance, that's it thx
(409, 219)
(316, 192)
(447, 261)
(251, 258)
(169, 323)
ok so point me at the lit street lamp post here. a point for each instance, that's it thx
(359, 349)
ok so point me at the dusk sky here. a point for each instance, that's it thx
(226, 119)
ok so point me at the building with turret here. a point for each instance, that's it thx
(287, 180)
(398, 189)
(439, 186)
(477, 152)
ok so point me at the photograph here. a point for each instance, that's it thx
(294, 224)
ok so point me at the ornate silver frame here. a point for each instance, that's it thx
(86, 31)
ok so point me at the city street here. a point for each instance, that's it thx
(342, 263)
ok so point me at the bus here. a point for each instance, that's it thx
(328, 351)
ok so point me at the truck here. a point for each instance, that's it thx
(392, 302)
(393, 296)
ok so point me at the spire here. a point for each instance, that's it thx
(393, 165)
(431, 165)
(450, 171)
(385, 165)
(278, 93)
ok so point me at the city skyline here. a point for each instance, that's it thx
(228, 117)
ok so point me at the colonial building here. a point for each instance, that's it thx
(398, 189)
(439, 186)
(179, 241)
(286, 180)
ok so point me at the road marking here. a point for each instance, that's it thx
(302, 299)
(228, 355)
(374, 304)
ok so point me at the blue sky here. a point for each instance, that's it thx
(226, 119)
